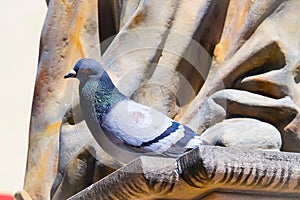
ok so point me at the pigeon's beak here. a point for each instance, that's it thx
(71, 74)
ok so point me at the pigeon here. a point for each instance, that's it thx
(126, 123)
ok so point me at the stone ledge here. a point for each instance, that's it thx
(208, 172)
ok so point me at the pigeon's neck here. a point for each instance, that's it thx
(100, 95)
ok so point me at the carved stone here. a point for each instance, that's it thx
(65, 38)
(206, 172)
(203, 63)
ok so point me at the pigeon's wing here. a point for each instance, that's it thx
(141, 126)
(135, 123)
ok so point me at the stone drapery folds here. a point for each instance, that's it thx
(202, 63)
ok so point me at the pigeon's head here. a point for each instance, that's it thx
(84, 69)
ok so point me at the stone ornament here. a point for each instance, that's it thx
(207, 64)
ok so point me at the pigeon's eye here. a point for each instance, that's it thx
(86, 71)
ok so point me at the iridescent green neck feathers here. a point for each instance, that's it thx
(98, 94)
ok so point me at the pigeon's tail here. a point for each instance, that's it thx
(195, 142)
(189, 140)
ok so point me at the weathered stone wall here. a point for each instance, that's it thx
(202, 63)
